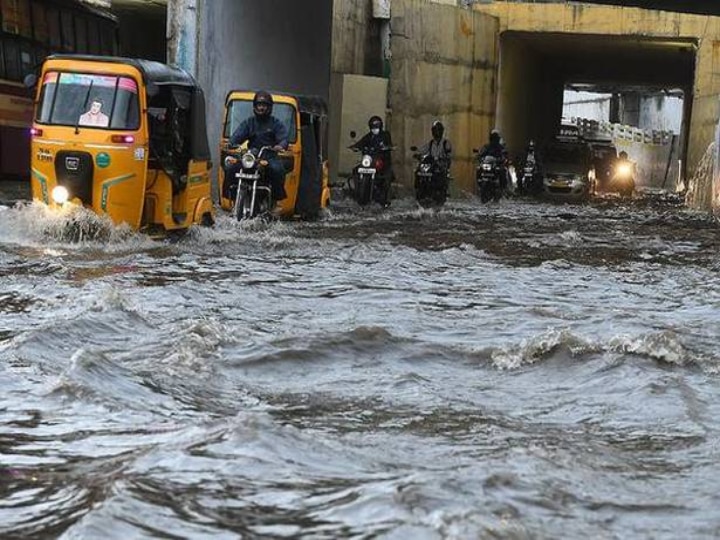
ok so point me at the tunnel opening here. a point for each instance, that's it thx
(142, 28)
(540, 72)
(644, 122)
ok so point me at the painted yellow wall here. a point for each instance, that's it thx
(444, 66)
(622, 21)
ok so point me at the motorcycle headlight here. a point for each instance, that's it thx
(623, 170)
(486, 167)
(60, 195)
(248, 161)
(425, 167)
(366, 161)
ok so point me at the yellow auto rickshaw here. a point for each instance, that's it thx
(123, 137)
(306, 165)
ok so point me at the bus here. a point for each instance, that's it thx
(30, 30)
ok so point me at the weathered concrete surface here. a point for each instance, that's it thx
(356, 46)
(444, 64)
(621, 21)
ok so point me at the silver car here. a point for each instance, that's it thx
(568, 171)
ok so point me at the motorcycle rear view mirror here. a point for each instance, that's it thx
(475, 150)
(413, 148)
(353, 134)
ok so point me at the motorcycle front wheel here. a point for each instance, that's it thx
(486, 193)
(363, 190)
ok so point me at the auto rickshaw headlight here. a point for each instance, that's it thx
(60, 194)
(248, 161)
(366, 161)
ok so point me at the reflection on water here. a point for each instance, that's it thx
(517, 370)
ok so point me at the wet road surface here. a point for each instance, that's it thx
(517, 370)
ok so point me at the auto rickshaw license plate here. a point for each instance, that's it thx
(363, 170)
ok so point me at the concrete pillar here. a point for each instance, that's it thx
(182, 34)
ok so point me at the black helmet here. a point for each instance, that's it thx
(495, 136)
(263, 97)
(375, 122)
(437, 129)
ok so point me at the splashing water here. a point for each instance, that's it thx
(701, 185)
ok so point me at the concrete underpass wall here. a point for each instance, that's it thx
(621, 21)
(356, 45)
(444, 63)
(530, 97)
(356, 89)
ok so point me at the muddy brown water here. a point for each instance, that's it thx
(517, 370)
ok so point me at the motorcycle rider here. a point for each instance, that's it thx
(263, 129)
(532, 159)
(625, 168)
(438, 147)
(379, 143)
(496, 149)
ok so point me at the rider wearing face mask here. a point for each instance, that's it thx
(379, 143)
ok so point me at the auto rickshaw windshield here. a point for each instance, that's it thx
(89, 100)
(240, 110)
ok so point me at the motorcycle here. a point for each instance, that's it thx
(623, 180)
(529, 177)
(252, 192)
(431, 180)
(369, 181)
(488, 175)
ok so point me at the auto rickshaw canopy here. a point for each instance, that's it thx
(162, 78)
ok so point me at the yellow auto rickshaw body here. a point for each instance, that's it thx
(123, 137)
(306, 164)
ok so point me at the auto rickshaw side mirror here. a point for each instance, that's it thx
(30, 81)
(152, 89)
(353, 134)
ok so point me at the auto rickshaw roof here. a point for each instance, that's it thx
(316, 105)
(152, 71)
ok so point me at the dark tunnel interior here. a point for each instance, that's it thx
(535, 68)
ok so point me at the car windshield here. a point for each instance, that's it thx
(240, 110)
(604, 153)
(88, 100)
(567, 158)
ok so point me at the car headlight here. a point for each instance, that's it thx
(248, 161)
(60, 194)
(366, 161)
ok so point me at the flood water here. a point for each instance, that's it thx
(518, 370)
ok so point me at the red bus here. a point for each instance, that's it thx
(29, 31)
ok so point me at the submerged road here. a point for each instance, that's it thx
(517, 370)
